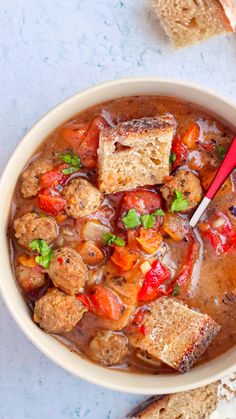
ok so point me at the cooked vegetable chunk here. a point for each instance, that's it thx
(67, 270)
(31, 226)
(188, 185)
(57, 312)
(174, 334)
(82, 198)
(109, 348)
(30, 178)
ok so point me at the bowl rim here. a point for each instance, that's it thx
(112, 379)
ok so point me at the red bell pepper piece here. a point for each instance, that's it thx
(84, 300)
(222, 238)
(105, 303)
(152, 281)
(185, 273)
(88, 147)
(55, 177)
(51, 202)
(138, 320)
(180, 151)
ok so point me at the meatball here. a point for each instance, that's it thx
(31, 226)
(186, 183)
(57, 312)
(30, 279)
(67, 270)
(108, 348)
(30, 178)
(82, 198)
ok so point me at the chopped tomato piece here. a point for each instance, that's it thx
(179, 149)
(72, 135)
(50, 202)
(175, 226)
(183, 277)
(149, 240)
(88, 147)
(105, 303)
(84, 300)
(55, 177)
(91, 254)
(138, 320)
(191, 136)
(152, 281)
(219, 232)
(124, 258)
(132, 242)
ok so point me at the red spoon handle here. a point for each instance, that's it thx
(226, 167)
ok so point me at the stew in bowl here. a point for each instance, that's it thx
(100, 241)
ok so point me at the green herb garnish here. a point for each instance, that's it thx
(45, 252)
(110, 239)
(179, 203)
(148, 220)
(73, 161)
(131, 219)
(159, 212)
(70, 170)
(172, 157)
(177, 290)
(221, 150)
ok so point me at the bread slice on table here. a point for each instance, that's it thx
(175, 334)
(189, 21)
(194, 404)
(135, 153)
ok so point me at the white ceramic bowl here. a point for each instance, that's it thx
(57, 352)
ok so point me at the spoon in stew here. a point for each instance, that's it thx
(225, 169)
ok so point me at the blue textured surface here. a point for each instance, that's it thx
(48, 51)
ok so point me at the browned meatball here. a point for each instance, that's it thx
(186, 183)
(108, 348)
(82, 198)
(57, 312)
(31, 226)
(30, 279)
(67, 270)
(30, 178)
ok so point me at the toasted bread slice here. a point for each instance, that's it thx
(135, 153)
(175, 334)
(194, 404)
(189, 21)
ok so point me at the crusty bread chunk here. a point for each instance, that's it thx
(189, 21)
(175, 334)
(194, 404)
(135, 153)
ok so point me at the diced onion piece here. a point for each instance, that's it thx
(145, 267)
(219, 222)
(93, 230)
(145, 357)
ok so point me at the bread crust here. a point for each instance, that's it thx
(135, 153)
(175, 334)
(188, 21)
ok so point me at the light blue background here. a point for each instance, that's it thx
(49, 50)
